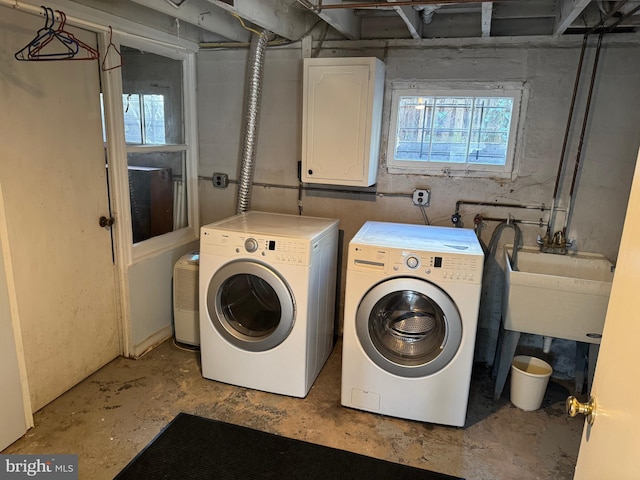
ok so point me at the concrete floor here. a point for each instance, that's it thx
(109, 417)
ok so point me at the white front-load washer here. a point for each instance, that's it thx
(267, 300)
(410, 318)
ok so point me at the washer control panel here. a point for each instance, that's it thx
(449, 267)
(455, 268)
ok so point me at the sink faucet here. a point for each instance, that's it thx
(558, 238)
(557, 243)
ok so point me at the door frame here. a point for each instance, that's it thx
(128, 253)
(108, 28)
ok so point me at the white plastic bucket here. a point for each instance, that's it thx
(529, 379)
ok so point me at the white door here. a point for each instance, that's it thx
(53, 177)
(610, 448)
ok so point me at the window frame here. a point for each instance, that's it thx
(518, 91)
(118, 150)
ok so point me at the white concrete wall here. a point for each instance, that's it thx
(151, 297)
(608, 154)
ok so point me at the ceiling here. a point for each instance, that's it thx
(221, 21)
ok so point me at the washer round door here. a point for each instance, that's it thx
(250, 305)
(409, 327)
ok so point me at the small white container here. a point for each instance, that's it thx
(529, 379)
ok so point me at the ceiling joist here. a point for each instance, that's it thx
(343, 21)
(204, 15)
(277, 16)
(233, 21)
(411, 18)
(487, 13)
(568, 11)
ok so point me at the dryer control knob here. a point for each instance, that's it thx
(251, 245)
(413, 262)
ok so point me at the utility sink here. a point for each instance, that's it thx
(561, 296)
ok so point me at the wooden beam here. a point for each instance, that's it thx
(277, 16)
(343, 21)
(204, 15)
(411, 18)
(568, 11)
(487, 12)
(528, 9)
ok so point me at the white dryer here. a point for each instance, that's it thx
(267, 300)
(410, 319)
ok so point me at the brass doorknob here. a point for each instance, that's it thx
(574, 407)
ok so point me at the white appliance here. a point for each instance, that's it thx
(410, 318)
(267, 300)
(186, 317)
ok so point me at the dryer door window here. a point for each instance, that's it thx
(409, 327)
(250, 305)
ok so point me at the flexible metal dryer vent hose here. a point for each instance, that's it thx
(251, 117)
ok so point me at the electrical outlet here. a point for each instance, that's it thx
(421, 197)
(220, 180)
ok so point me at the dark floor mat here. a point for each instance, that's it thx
(193, 448)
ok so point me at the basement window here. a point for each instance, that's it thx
(465, 129)
(144, 122)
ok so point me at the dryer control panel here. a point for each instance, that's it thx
(437, 267)
(273, 248)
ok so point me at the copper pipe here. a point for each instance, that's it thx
(556, 187)
(589, 96)
(613, 11)
(571, 108)
(586, 117)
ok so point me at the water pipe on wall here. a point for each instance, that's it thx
(588, 105)
(481, 218)
(456, 218)
(557, 242)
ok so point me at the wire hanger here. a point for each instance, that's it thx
(43, 37)
(60, 44)
(106, 53)
(89, 53)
